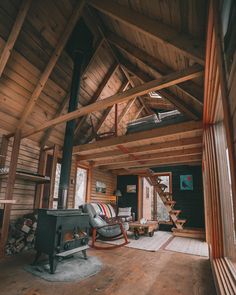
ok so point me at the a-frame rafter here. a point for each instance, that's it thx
(6, 52)
(154, 29)
(50, 66)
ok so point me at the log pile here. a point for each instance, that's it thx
(21, 234)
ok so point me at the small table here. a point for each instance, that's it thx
(148, 228)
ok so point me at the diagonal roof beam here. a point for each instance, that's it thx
(98, 92)
(189, 88)
(107, 112)
(155, 85)
(62, 106)
(52, 62)
(6, 52)
(154, 29)
(181, 105)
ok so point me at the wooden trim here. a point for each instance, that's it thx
(6, 52)
(166, 81)
(52, 62)
(53, 175)
(89, 182)
(40, 187)
(152, 28)
(10, 189)
(140, 203)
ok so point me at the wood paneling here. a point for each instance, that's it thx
(109, 179)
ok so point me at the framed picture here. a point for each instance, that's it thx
(147, 192)
(186, 182)
(101, 187)
(131, 188)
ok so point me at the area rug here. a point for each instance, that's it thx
(146, 243)
(72, 269)
(188, 246)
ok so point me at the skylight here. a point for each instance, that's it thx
(154, 94)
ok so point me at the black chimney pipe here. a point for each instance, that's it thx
(79, 46)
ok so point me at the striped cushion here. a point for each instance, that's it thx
(104, 209)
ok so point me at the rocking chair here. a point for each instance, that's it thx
(105, 231)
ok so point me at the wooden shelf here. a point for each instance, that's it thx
(28, 176)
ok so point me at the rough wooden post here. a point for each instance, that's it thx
(39, 187)
(89, 183)
(10, 188)
(154, 204)
(53, 175)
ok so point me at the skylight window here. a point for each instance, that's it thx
(154, 94)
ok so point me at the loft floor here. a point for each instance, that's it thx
(125, 272)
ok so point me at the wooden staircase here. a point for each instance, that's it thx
(166, 199)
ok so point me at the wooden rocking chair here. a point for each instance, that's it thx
(105, 231)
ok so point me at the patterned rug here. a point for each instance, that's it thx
(145, 243)
(188, 246)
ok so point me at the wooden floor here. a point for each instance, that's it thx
(125, 272)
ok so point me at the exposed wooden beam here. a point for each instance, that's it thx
(159, 103)
(143, 136)
(159, 162)
(154, 29)
(194, 91)
(98, 92)
(6, 52)
(107, 111)
(10, 188)
(165, 93)
(158, 84)
(62, 106)
(52, 62)
(126, 110)
(147, 109)
(150, 157)
(144, 149)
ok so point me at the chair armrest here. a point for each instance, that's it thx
(110, 224)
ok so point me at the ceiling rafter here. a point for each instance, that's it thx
(179, 103)
(63, 105)
(189, 88)
(155, 85)
(51, 64)
(143, 149)
(15, 31)
(111, 71)
(108, 110)
(154, 29)
(149, 157)
(180, 159)
(164, 133)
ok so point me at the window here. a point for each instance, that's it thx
(56, 186)
(80, 187)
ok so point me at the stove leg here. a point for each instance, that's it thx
(53, 263)
(85, 254)
(38, 254)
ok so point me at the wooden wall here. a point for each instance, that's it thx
(109, 179)
(189, 202)
(24, 191)
(147, 200)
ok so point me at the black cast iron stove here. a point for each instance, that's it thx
(61, 233)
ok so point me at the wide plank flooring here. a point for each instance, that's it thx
(125, 272)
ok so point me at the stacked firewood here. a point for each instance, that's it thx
(21, 234)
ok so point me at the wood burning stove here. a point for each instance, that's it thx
(61, 233)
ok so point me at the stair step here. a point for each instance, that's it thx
(181, 221)
(175, 212)
(169, 202)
